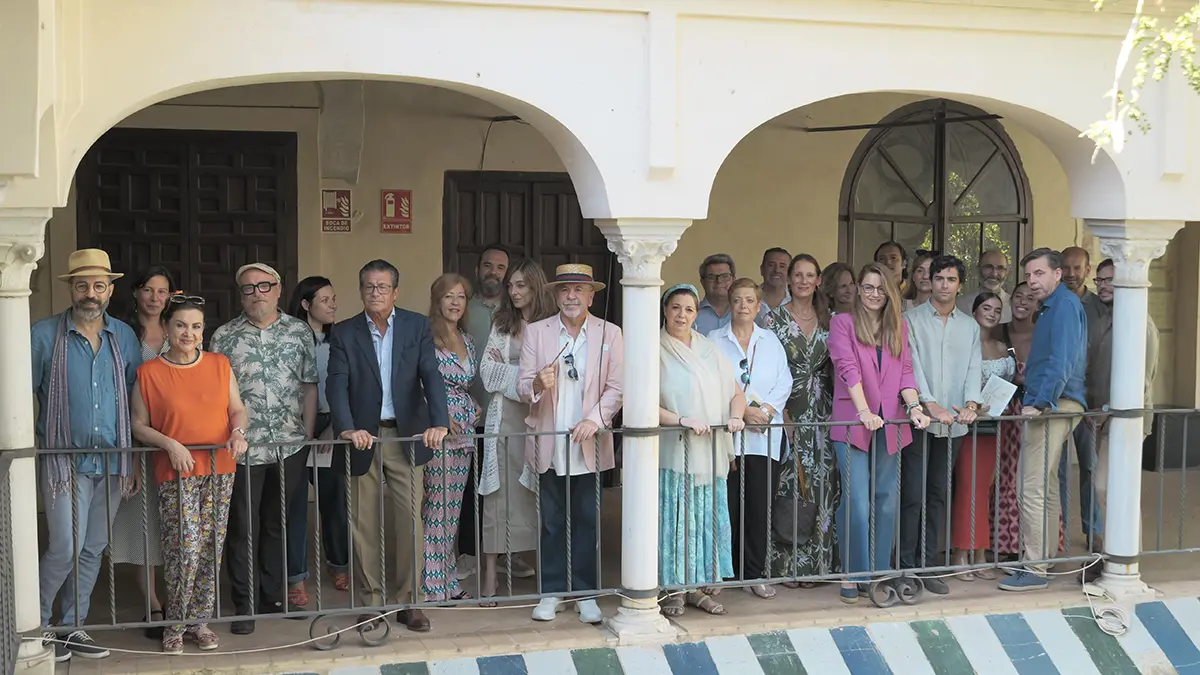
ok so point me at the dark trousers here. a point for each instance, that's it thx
(466, 521)
(751, 528)
(583, 532)
(926, 468)
(256, 525)
(335, 523)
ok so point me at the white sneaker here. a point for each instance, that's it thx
(546, 609)
(589, 611)
(520, 568)
(466, 566)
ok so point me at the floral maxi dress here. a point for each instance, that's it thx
(445, 478)
(810, 402)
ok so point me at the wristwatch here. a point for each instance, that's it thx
(239, 430)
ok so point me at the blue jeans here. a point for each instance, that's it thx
(1085, 450)
(335, 524)
(859, 484)
(96, 508)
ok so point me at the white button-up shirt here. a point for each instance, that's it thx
(383, 354)
(947, 360)
(569, 410)
(770, 383)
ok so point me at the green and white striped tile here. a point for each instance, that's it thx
(1162, 638)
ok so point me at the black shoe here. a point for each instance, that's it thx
(81, 644)
(155, 632)
(50, 639)
(242, 627)
(936, 586)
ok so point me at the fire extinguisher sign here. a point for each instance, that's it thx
(395, 211)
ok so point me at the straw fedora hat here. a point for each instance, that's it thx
(89, 262)
(575, 273)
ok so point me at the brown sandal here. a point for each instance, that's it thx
(706, 603)
(671, 606)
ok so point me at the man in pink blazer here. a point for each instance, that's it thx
(570, 374)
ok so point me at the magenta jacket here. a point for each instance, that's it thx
(854, 362)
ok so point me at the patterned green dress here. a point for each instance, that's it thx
(811, 401)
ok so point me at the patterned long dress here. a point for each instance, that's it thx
(811, 401)
(1006, 510)
(446, 478)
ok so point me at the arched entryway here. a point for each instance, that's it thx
(937, 175)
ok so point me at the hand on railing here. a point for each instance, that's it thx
(697, 426)
(181, 459)
(361, 439)
(918, 417)
(237, 444)
(735, 424)
(965, 415)
(583, 431)
(939, 414)
(870, 420)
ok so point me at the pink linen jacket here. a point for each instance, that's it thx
(601, 392)
(854, 363)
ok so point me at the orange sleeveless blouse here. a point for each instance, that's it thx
(191, 405)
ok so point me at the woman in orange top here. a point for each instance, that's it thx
(190, 397)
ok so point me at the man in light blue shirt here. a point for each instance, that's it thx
(948, 367)
(717, 273)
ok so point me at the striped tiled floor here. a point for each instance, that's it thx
(1162, 638)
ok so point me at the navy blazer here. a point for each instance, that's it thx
(355, 393)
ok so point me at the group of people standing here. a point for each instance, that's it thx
(792, 388)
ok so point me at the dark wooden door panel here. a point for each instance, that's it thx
(201, 204)
(532, 214)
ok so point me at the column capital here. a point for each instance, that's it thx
(22, 244)
(641, 245)
(1133, 245)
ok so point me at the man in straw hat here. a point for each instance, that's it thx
(570, 373)
(84, 366)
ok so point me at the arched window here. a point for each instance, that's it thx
(937, 175)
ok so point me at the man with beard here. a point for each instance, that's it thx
(570, 374)
(275, 360)
(489, 289)
(1099, 379)
(948, 366)
(84, 366)
(993, 270)
(775, 291)
(1077, 267)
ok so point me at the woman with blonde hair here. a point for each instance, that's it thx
(445, 476)
(873, 382)
(510, 521)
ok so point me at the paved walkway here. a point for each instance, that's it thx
(1026, 643)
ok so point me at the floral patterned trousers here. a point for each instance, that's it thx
(445, 479)
(194, 512)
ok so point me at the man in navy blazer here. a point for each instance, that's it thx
(383, 383)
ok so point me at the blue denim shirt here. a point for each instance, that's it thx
(91, 387)
(1058, 356)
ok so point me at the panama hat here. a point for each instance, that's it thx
(575, 273)
(89, 262)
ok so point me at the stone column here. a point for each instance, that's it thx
(641, 246)
(1132, 245)
(22, 243)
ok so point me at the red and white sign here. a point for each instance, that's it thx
(395, 211)
(335, 210)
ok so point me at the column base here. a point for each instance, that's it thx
(1124, 589)
(34, 659)
(637, 626)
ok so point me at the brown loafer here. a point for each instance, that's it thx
(415, 620)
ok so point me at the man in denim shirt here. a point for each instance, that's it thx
(84, 366)
(1054, 383)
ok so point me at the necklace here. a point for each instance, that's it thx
(164, 358)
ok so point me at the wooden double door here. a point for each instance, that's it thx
(532, 214)
(199, 203)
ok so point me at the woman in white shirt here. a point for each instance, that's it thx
(763, 374)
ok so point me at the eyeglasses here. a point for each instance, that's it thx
(377, 289)
(868, 289)
(569, 359)
(263, 287)
(1103, 281)
(993, 268)
(713, 278)
(99, 287)
(179, 299)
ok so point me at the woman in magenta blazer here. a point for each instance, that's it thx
(873, 382)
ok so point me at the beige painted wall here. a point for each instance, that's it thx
(779, 186)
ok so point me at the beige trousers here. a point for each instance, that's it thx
(1041, 450)
(401, 489)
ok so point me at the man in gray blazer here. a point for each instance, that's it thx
(384, 383)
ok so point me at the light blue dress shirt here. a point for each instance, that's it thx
(707, 320)
(383, 354)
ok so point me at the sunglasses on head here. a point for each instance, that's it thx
(179, 298)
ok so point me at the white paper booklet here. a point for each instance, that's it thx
(996, 395)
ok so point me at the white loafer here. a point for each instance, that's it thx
(546, 609)
(589, 611)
